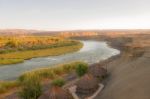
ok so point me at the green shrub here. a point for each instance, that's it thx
(58, 82)
(81, 69)
(31, 88)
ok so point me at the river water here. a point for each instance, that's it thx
(92, 51)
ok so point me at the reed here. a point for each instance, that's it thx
(52, 72)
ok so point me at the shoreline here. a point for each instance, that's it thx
(118, 66)
(128, 73)
(45, 52)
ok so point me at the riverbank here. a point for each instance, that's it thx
(129, 73)
(20, 56)
(45, 74)
(10, 61)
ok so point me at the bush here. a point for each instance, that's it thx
(81, 69)
(31, 88)
(58, 82)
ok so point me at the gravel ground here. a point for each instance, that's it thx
(129, 78)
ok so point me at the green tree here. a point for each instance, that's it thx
(81, 69)
(58, 82)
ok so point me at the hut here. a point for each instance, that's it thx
(98, 71)
(56, 93)
(87, 85)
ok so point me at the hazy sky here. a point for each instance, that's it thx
(74, 14)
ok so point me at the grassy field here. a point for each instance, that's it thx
(44, 73)
(11, 53)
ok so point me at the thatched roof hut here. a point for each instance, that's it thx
(56, 93)
(98, 71)
(87, 84)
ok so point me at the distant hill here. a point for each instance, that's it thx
(16, 31)
(72, 33)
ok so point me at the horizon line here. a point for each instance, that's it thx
(75, 29)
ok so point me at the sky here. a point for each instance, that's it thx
(74, 14)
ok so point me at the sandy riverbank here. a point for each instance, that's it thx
(129, 73)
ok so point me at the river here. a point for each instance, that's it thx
(92, 51)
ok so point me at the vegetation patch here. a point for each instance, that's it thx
(52, 72)
(10, 61)
(31, 88)
(16, 50)
(81, 69)
(58, 82)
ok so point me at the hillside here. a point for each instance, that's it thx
(129, 74)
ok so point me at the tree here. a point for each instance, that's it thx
(81, 69)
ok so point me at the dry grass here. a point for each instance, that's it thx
(14, 50)
(52, 72)
(10, 61)
(42, 52)
(43, 73)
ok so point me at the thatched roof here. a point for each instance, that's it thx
(87, 84)
(56, 93)
(98, 71)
